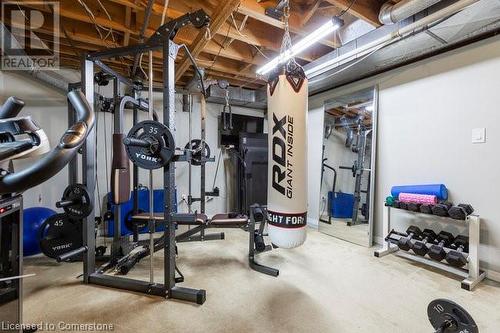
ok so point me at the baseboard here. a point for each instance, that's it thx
(490, 274)
(312, 223)
(493, 275)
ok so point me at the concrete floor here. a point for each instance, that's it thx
(327, 285)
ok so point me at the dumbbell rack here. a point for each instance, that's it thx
(471, 273)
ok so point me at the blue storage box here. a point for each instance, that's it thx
(126, 208)
(341, 204)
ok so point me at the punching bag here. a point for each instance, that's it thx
(287, 97)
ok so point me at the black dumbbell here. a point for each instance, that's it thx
(396, 203)
(426, 208)
(460, 212)
(413, 206)
(403, 205)
(458, 257)
(404, 243)
(420, 246)
(441, 209)
(436, 251)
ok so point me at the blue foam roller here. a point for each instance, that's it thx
(439, 190)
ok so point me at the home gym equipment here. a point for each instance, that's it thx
(460, 212)
(426, 209)
(439, 190)
(413, 232)
(287, 97)
(441, 209)
(14, 182)
(198, 151)
(60, 234)
(458, 257)
(420, 246)
(437, 251)
(449, 317)
(33, 218)
(403, 205)
(413, 206)
(439, 247)
(76, 201)
(150, 145)
(418, 198)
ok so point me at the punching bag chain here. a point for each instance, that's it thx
(286, 44)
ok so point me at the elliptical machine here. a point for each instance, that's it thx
(21, 137)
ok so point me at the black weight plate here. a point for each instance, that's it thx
(83, 206)
(59, 235)
(162, 147)
(441, 311)
(195, 146)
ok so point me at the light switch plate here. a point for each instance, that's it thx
(478, 135)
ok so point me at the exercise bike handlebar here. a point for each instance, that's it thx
(11, 107)
(71, 254)
(60, 156)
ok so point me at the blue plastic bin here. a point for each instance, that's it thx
(341, 204)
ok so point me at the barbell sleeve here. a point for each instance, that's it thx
(65, 203)
(136, 142)
(71, 254)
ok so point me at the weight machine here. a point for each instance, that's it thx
(162, 40)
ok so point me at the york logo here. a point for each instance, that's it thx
(147, 158)
(23, 46)
(282, 150)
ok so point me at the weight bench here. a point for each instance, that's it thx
(226, 220)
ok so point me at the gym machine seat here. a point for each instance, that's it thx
(228, 220)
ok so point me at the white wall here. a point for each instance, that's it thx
(426, 113)
(49, 108)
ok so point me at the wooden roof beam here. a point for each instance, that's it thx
(366, 10)
(224, 10)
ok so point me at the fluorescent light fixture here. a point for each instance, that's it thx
(318, 34)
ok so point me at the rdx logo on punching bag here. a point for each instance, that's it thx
(282, 152)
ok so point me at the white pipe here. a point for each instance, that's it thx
(393, 13)
(389, 38)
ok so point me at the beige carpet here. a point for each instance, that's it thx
(327, 285)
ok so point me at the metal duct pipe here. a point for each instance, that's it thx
(393, 13)
(315, 70)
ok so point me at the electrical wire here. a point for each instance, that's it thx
(221, 47)
(347, 9)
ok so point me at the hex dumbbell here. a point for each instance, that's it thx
(404, 243)
(458, 257)
(441, 209)
(437, 251)
(420, 246)
(460, 212)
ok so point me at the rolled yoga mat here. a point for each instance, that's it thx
(439, 190)
(418, 198)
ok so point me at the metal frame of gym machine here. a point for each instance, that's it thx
(162, 40)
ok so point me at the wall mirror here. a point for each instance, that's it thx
(348, 166)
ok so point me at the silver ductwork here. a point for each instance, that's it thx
(390, 46)
(255, 99)
(393, 13)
